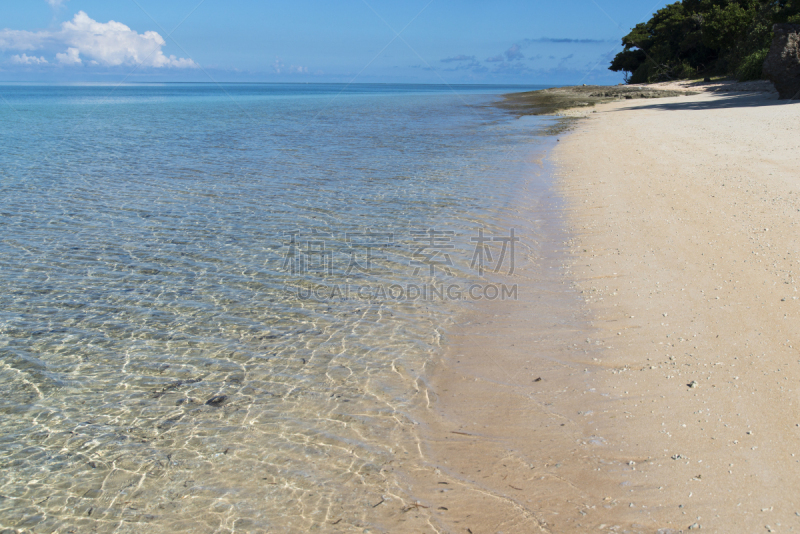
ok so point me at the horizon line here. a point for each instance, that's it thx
(2, 82)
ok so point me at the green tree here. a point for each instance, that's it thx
(703, 37)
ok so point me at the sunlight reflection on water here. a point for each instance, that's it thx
(157, 367)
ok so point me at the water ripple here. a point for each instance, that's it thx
(157, 369)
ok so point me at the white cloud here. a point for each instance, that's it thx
(21, 40)
(280, 68)
(108, 44)
(25, 59)
(72, 57)
(55, 3)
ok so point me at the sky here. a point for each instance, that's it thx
(316, 41)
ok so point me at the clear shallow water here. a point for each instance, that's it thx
(159, 366)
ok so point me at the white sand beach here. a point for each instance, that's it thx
(682, 408)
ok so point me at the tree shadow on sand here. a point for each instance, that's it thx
(731, 99)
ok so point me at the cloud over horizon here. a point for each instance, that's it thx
(108, 44)
(278, 67)
(24, 59)
(515, 52)
(514, 63)
(568, 40)
(461, 57)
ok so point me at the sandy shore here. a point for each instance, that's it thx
(653, 382)
(686, 252)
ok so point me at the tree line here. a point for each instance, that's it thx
(697, 38)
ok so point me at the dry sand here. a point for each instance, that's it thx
(667, 339)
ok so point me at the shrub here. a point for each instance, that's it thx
(750, 68)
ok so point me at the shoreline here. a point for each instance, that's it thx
(487, 389)
(579, 100)
(669, 403)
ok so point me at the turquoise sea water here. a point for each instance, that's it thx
(216, 302)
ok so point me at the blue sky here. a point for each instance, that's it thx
(413, 41)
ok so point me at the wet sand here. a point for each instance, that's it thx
(649, 381)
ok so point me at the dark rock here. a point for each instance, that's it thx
(782, 66)
(553, 100)
(219, 400)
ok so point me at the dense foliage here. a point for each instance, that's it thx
(694, 38)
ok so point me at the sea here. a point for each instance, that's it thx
(219, 302)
